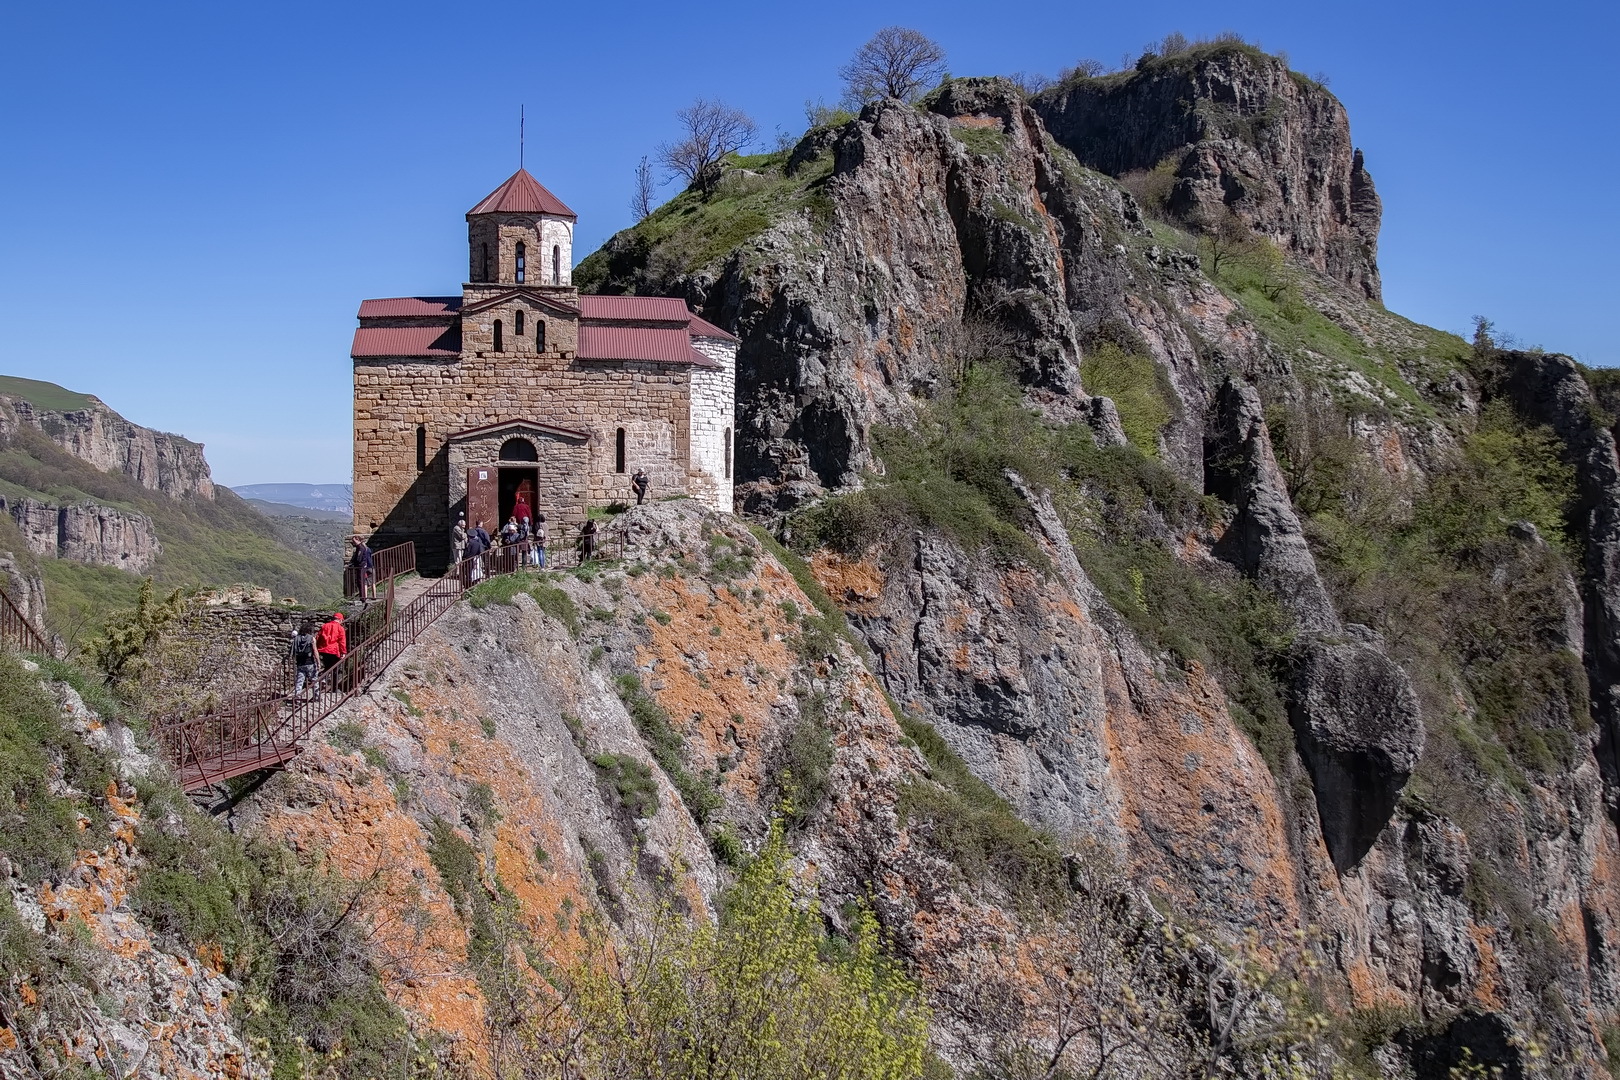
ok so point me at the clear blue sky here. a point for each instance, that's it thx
(194, 197)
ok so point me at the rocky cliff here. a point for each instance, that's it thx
(1324, 645)
(1233, 128)
(86, 533)
(156, 460)
(88, 490)
(1148, 578)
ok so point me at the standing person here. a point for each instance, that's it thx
(587, 541)
(478, 542)
(509, 532)
(332, 645)
(638, 484)
(303, 658)
(365, 569)
(458, 541)
(540, 541)
(520, 511)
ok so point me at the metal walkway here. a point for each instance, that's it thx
(266, 728)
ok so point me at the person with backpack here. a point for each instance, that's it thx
(538, 554)
(332, 645)
(303, 658)
(365, 569)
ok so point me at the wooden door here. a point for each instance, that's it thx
(483, 498)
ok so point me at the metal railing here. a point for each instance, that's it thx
(266, 727)
(386, 565)
(17, 633)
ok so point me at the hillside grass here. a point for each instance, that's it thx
(203, 542)
(44, 395)
(693, 231)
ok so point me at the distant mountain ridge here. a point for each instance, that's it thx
(90, 503)
(335, 497)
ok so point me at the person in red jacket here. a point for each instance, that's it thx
(332, 643)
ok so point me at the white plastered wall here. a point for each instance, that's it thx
(557, 233)
(714, 397)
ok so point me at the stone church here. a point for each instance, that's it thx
(520, 384)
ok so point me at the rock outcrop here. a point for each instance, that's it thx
(85, 532)
(1240, 131)
(1549, 389)
(1357, 718)
(157, 461)
(22, 584)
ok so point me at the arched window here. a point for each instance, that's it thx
(556, 264)
(518, 322)
(498, 335)
(519, 450)
(421, 447)
(522, 260)
(728, 453)
(483, 274)
(618, 451)
(539, 335)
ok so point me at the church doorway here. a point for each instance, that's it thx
(515, 481)
(519, 479)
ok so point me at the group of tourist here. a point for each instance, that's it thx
(316, 652)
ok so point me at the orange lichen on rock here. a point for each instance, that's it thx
(1488, 986)
(720, 662)
(1200, 796)
(856, 584)
(349, 814)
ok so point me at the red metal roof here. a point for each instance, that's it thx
(671, 346)
(635, 308)
(704, 328)
(409, 307)
(406, 341)
(521, 194)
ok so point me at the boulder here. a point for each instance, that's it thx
(1360, 732)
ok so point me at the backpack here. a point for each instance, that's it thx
(303, 649)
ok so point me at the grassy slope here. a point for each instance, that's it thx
(690, 231)
(204, 543)
(44, 395)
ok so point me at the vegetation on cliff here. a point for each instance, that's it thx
(204, 542)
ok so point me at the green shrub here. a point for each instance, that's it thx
(974, 827)
(700, 793)
(630, 782)
(803, 765)
(1133, 381)
(347, 736)
(39, 827)
(480, 802)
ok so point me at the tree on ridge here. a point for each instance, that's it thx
(898, 62)
(713, 130)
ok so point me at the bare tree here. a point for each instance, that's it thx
(641, 199)
(713, 130)
(897, 63)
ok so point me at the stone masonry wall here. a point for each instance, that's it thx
(394, 500)
(538, 233)
(713, 425)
